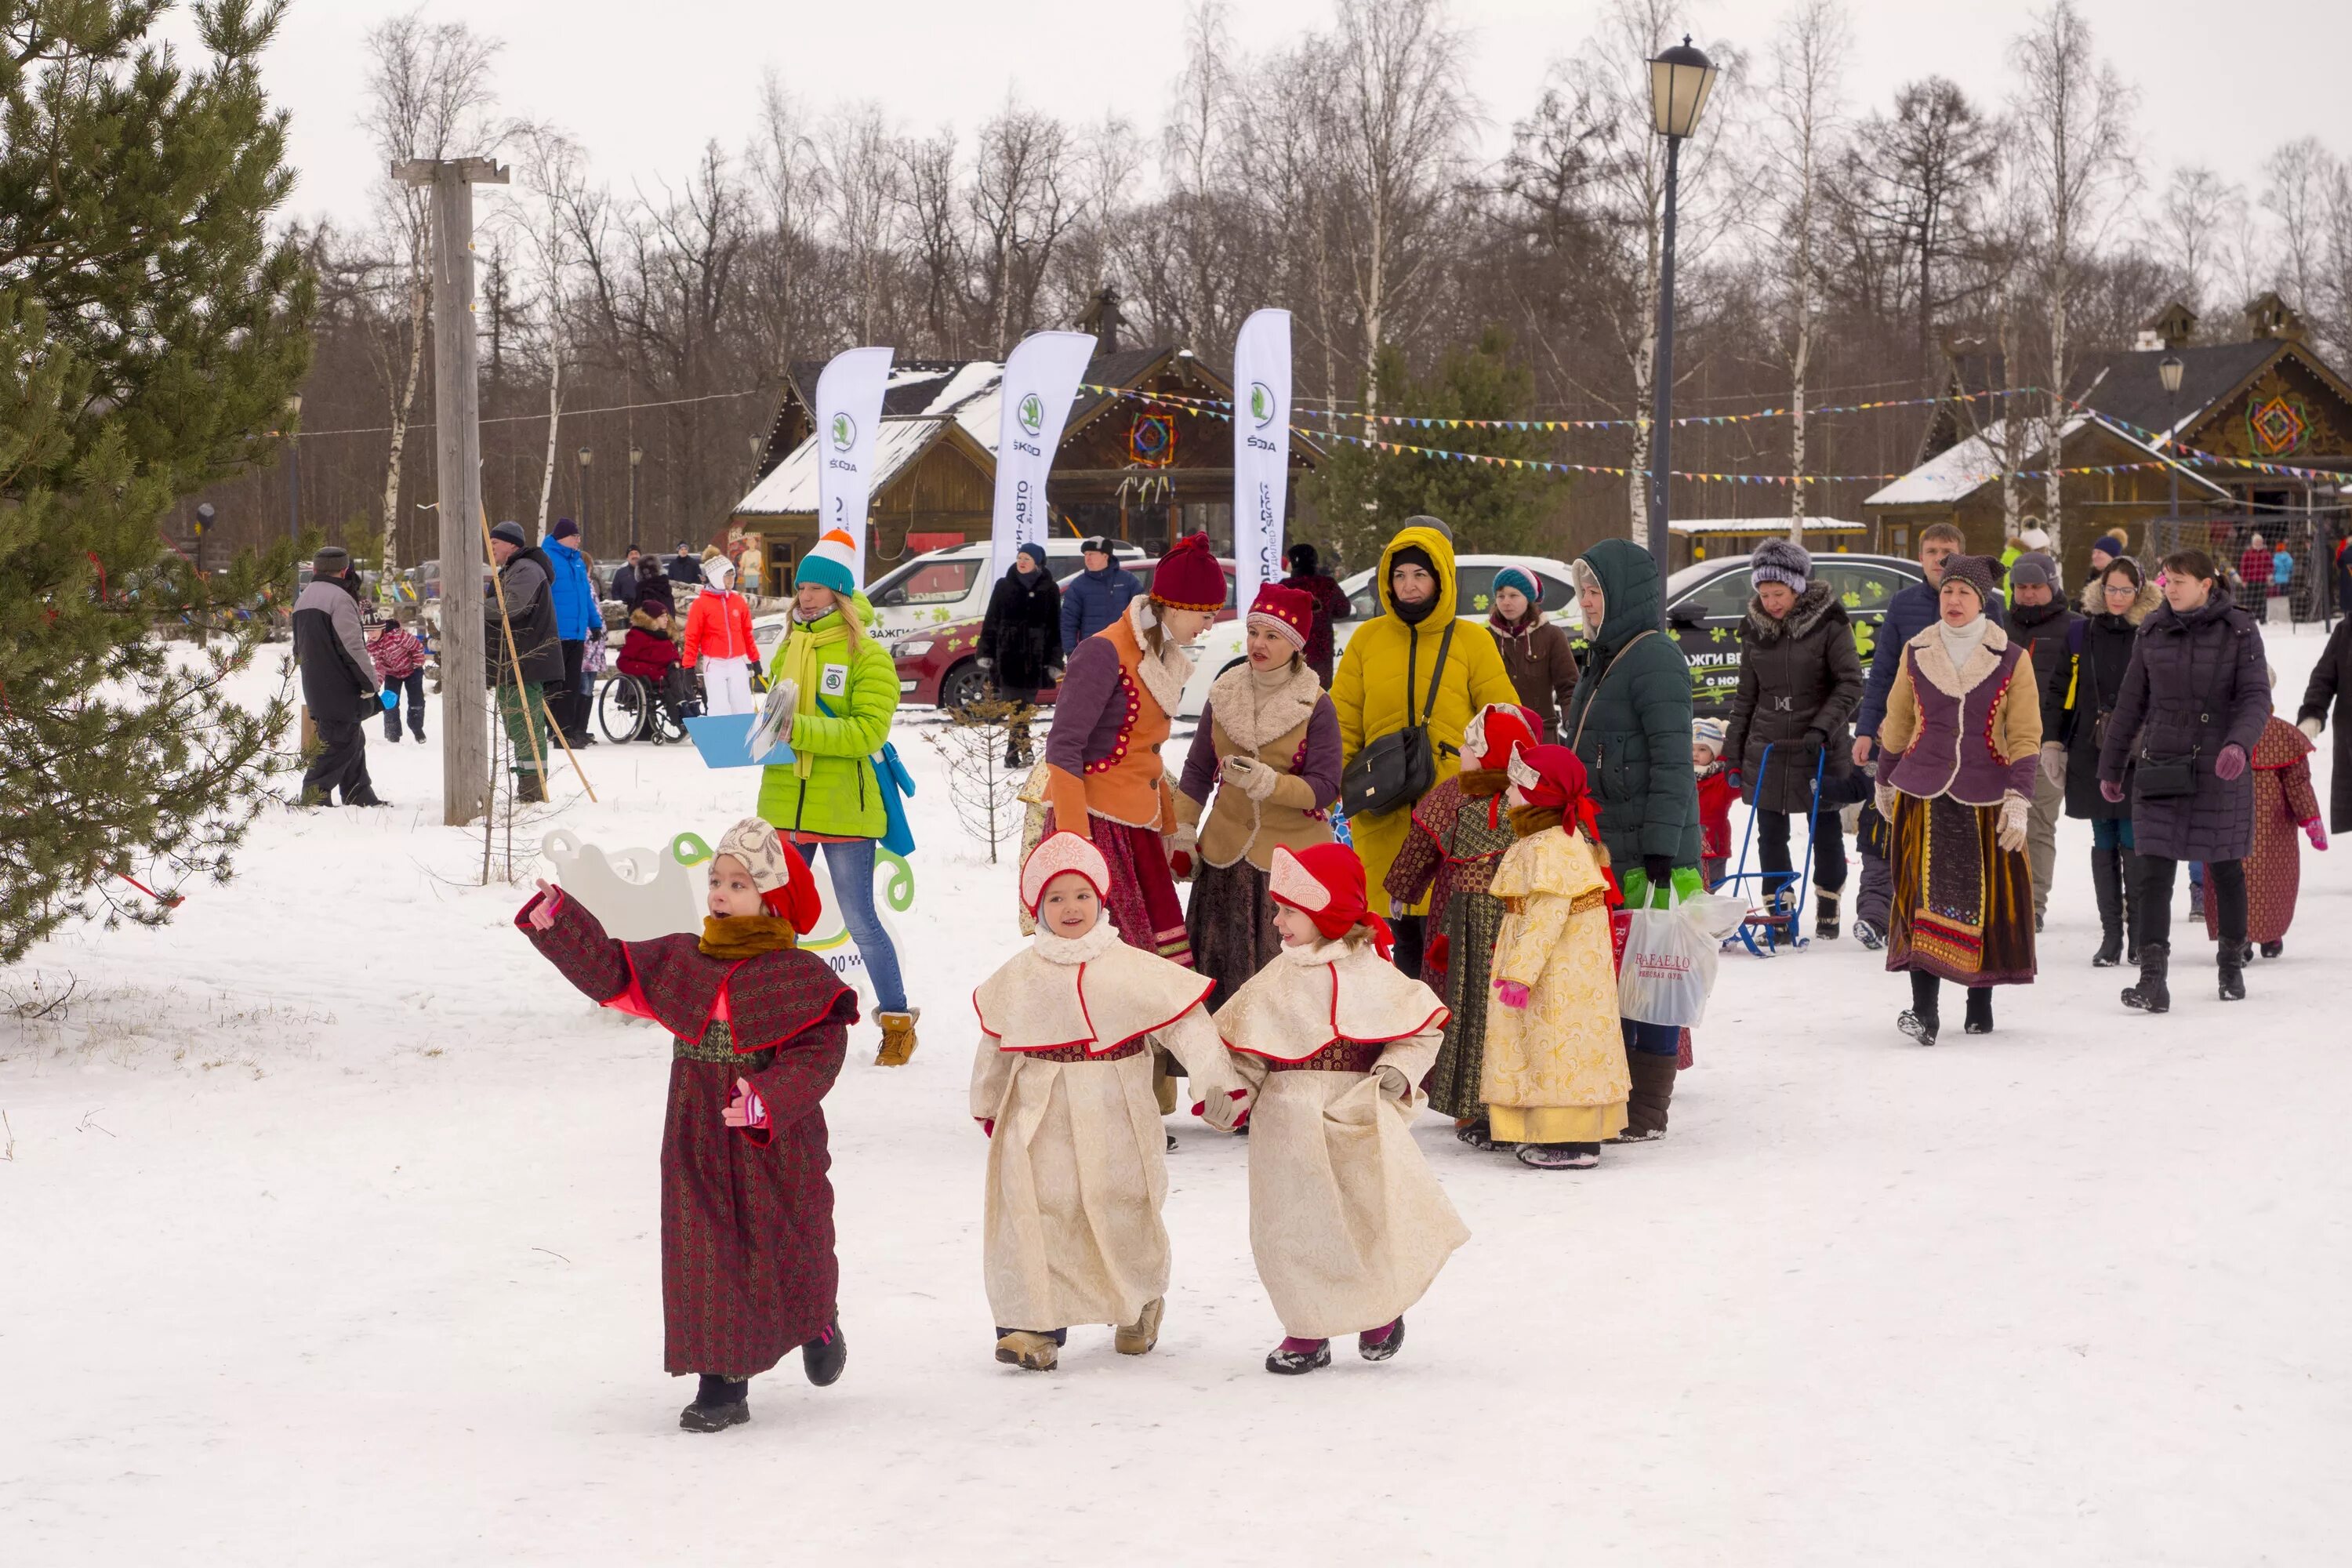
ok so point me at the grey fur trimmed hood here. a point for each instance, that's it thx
(1817, 607)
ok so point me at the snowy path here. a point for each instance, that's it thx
(328, 1235)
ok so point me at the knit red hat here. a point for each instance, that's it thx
(1326, 883)
(1189, 578)
(1497, 731)
(1289, 613)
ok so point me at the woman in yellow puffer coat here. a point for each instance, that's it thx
(1416, 586)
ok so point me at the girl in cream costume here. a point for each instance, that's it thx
(1347, 1224)
(1062, 1084)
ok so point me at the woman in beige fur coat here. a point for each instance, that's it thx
(1348, 1223)
(1062, 1084)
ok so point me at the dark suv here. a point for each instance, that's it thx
(1705, 601)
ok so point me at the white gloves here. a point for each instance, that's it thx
(2053, 762)
(1882, 797)
(1257, 780)
(1394, 1085)
(2311, 727)
(1224, 1111)
(2011, 835)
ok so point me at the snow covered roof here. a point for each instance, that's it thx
(1961, 471)
(932, 397)
(1760, 525)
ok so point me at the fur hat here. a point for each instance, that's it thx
(512, 533)
(831, 563)
(1496, 733)
(1189, 578)
(1781, 561)
(782, 879)
(2033, 569)
(1099, 545)
(2035, 539)
(332, 561)
(1523, 580)
(1288, 613)
(1326, 883)
(1062, 852)
(1710, 734)
(1975, 570)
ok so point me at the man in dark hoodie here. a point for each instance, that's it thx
(338, 683)
(1908, 613)
(524, 601)
(2038, 621)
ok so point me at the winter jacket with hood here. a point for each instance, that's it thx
(842, 717)
(2082, 682)
(1908, 613)
(1019, 636)
(719, 626)
(1800, 681)
(2197, 683)
(1373, 697)
(1541, 663)
(577, 616)
(1093, 600)
(1630, 721)
(2042, 632)
(2331, 685)
(647, 652)
(531, 609)
(332, 651)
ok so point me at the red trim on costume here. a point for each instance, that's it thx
(633, 1000)
(1093, 1044)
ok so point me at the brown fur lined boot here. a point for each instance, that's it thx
(898, 1038)
(1653, 1091)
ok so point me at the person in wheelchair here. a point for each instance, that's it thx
(649, 653)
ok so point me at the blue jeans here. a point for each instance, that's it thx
(852, 865)
(1654, 1039)
(2111, 833)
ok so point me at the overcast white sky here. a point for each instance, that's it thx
(644, 85)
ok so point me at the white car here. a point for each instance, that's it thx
(942, 586)
(1473, 583)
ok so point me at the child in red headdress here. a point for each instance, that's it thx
(1556, 1080)
(1063, 1086)
(1458, 835)
(759, 1028)
(1347, 1224)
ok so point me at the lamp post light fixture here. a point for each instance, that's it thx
(2168, 372)
(1680, 79)
(636, 455)
(294, 472)
(586, 457)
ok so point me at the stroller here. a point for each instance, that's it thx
(1776, 910)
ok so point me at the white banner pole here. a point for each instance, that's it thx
(1261, 451)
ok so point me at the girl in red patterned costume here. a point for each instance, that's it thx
(759, 1028)
(2285, 805)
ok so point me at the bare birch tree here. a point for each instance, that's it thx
(1808, 57)
(2188, 228)
(540, 211)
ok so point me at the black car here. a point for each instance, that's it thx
(1705, 600)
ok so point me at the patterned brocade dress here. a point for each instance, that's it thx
(2284, 802)
(1458, 835)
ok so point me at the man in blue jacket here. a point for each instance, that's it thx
(1908, 613)
(577, 618)
(1097, 596)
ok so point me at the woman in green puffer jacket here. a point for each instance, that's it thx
(1630, 725)
(844, 690)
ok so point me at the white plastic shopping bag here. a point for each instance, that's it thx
(1670, 958)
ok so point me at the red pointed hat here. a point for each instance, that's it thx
(1496, 732)
(1288, 613)
(1549, 775)
(1326, 883)
(1189, 578)
(1062, 852)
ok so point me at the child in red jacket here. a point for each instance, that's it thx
(1714, 798)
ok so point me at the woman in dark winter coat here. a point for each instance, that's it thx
(1799, 682)
(1630, 725)
(1308, 577)
(2331, 685)
(2079, 691)
(2190, 713)
(1021, 640)
(1537, 655)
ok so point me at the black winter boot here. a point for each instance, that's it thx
(2232, 962)
(823, 1357)
(1979, 1019)
(2151, 995)
(721, 1403)
(1825, 912)
(2108, 882)
(2131, 874)
(1919, 1020)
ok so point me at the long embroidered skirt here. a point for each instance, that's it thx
(1230, 921)
(1963, 906)
(748, 1268)
(1142, 903)
(1470, 924)
(2274, 865)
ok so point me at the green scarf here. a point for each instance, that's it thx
(801, 661)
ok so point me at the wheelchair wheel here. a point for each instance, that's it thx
(626, 709)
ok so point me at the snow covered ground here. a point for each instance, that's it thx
(328, 1234)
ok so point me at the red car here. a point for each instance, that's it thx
(939, 666)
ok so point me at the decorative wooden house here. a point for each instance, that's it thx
(2268, 398)
(1140, 471)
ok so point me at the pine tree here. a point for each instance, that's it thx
(1489, 506)
(150, 333)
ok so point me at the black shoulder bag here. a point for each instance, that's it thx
(1400, 767)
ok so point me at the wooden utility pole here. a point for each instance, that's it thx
(464, 688)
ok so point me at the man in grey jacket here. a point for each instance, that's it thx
(338, 683)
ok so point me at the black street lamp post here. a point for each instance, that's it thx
(586, 457)
(636, 455)
(2170, 373)
(1680, 79)
(294, 472)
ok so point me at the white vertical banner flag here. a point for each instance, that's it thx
(1261, 451)
(848, 416)
(1040, 381)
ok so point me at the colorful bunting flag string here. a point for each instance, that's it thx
(1219, 407)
